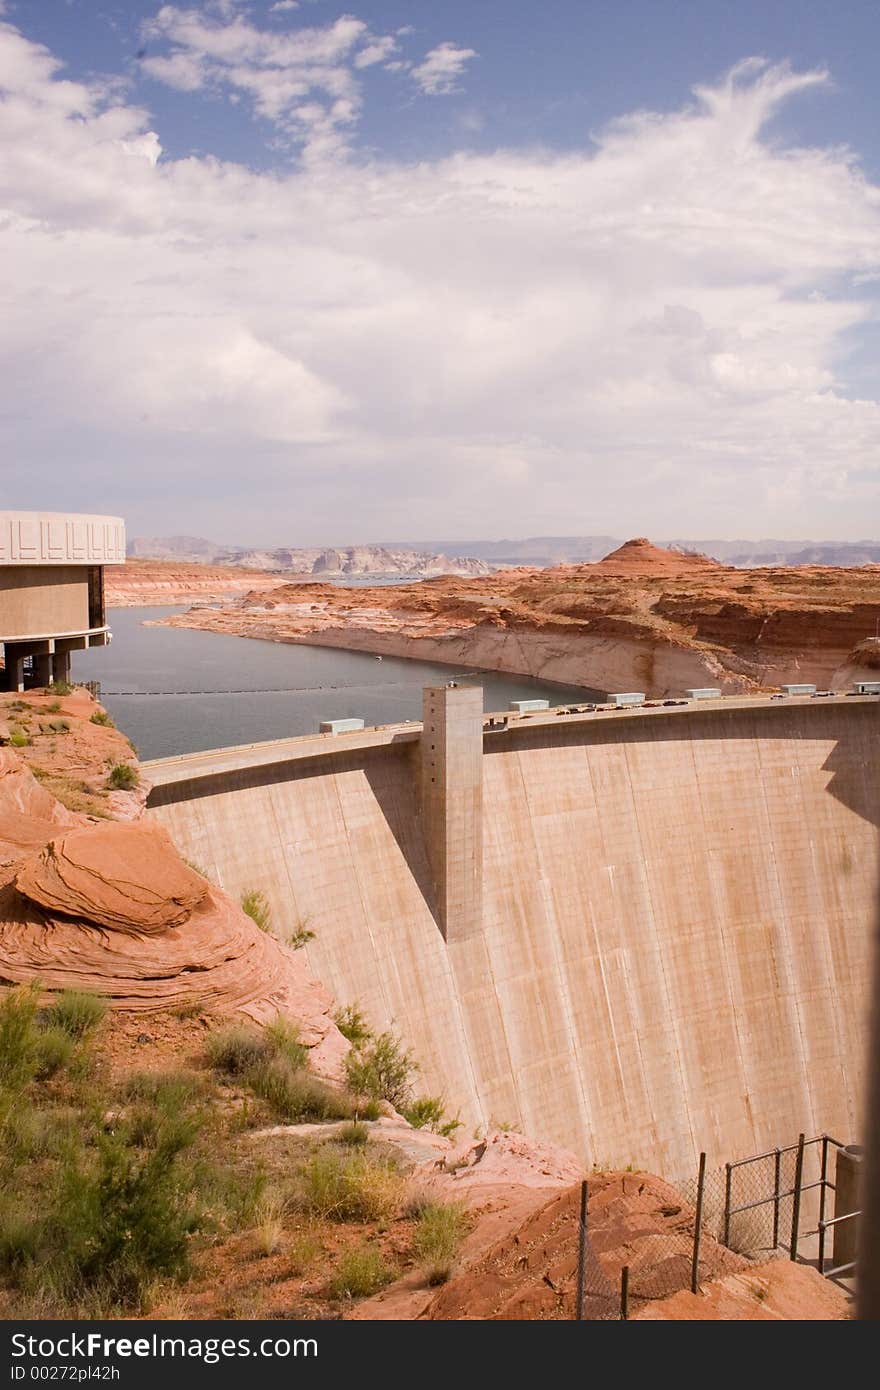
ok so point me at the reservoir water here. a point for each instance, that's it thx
(173, 690)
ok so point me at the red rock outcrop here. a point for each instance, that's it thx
(110, 906)
(634, 1219)
(642, 618)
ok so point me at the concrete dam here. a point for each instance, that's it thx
(638, 934)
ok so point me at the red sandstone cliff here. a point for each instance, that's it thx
(642, 618)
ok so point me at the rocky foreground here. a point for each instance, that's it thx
(641, 619)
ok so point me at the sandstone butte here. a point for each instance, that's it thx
(93, 896)
(643, 619)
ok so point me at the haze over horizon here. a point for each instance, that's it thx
(277, 271)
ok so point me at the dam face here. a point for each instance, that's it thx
(672, 948)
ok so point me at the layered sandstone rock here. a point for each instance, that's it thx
(643, 618)
(109, 906)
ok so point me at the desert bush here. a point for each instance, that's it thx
(295, 1094)
(351, 1187)
(54, 707)
(236, 1050)
(77, 1012)
(355, 1134)
(55, 1048)
(19, 1039)
(299, 937)
(256, 905)
(269, 1229)
(352, 1025)
(438, 1235)
(123, 777)
(19, 739)
(284, 1037)
(360, 1272)
(429, 1112)
(382, 1069)
(103, 718)
(60, 688)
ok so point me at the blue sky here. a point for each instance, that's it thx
(294, 273)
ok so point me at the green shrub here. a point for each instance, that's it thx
(360, 1272)
(296, 1095)
(60, 688)
(351, 1187)
(57, 726)
(352, 1025)
(368, 1109)
(102, 717)
(284, 1038)
(19, 739)
(236, 1050)
(123, 777)
(256, 905)
(299, 938)
(55, 1049)
(438, 1235)
(382, 1069)
(77, 1012)
(54, 707)
(123, 1215)
(355, 1134)
(19, 1039)
(429, 1112)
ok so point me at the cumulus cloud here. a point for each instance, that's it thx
(647, 335)
(303, 80)
(440, 69)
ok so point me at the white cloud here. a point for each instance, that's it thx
(649, 335)
(281, 5)
(285, 73)
(438, 73)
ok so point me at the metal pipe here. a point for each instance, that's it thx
(728, 1171)
(796, 1199)
(868, 1258)
(698, 1225)
(624, 1293)
(582, 1254)
(777, 1179)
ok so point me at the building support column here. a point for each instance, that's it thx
(451, 756)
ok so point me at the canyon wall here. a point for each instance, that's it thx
(676, 916)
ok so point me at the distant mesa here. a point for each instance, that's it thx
(640, 556)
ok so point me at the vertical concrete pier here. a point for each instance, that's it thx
(452, 804)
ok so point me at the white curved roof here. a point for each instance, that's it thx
(61, 538)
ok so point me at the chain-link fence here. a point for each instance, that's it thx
(661, 1240)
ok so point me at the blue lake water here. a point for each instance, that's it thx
(174, 690)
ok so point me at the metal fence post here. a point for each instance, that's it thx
(777, 1182)
(698, 1225)
(582, 1254)
(728, 1175)
(624, 1293)
(796, 1198)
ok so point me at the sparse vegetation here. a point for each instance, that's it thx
(54, 707)
(256, 905)
(361, 1271)
(60, 688)
(439, 1233)
(352, 1025)
(429, 1112)
(351, 1187)
(381, 1069)
(355, 1134)
(100, 717)
(18, 738)
(273, 1065)
(235, 1050)
(77, 1012)
(300, 937)
(123, 777)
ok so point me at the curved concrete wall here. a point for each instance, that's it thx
(676, 920)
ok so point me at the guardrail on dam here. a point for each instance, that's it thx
(657, 921)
